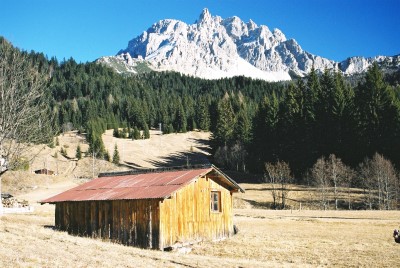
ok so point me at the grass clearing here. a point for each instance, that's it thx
(266, 238)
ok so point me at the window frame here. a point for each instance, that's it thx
(215, 200)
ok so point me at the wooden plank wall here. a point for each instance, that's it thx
(186, 216)
(130, 222)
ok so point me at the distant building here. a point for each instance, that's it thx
(153, 209)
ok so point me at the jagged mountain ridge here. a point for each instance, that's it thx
(213, 48)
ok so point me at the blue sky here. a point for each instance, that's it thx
(88, 29)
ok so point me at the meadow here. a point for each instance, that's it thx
(266, 238)
(300, 236)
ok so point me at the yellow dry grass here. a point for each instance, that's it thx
(298, 197)
(266, 238)
(157, 150)
(311, 238)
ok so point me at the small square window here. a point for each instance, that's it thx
(215, 201)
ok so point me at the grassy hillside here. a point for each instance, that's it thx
(158, 151)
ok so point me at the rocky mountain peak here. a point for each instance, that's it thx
(205, 16)
(251, 25)
(213, 48)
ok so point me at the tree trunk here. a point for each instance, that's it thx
(349, 197)
(335, 192)
(387, 194)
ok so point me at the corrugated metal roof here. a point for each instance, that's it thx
(157, 185)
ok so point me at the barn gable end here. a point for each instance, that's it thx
(187, 215)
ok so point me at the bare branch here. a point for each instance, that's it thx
(25, 118)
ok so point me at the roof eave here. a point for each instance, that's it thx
(231, 181)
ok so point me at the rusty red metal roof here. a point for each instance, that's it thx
(155, 185)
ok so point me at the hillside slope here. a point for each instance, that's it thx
(158, 151)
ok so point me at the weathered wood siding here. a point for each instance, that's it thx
(130, 222)
(187, 216)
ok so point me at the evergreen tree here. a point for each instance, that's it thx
(324, 132)
(96, 146)
(203, 115)
(78, 153)
(116, 158)
(180, 119)
(343, 122)
(377, 114)
(116, 133)
(169, 129)
(225, 122)
(311, 94)
(146, 132)
(291, 128)
(243, 128)
(136, 133)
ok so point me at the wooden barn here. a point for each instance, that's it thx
(150, 209)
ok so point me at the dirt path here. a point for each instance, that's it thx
(45, 191)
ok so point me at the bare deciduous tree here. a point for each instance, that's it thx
(320, 179)
(25, 118)
(331, 172)
(232, 157)
(279, 175)
(339, 175)
(379, 181)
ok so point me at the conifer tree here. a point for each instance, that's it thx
(116, 133)
(203, 115)
(116, 158)
(180, 119)
(225, 122)
(146, 132)
(243, 127)
(136, 133)
(377, 114)
(78, 153)
(311, 95)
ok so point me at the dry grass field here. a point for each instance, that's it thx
(266, 238)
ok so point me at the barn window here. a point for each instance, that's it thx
(215, 201)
